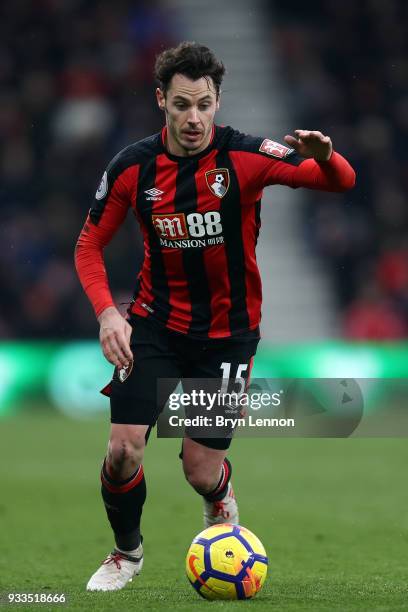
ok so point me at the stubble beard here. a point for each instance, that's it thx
(187, 146)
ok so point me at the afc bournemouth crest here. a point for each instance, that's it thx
(218, 181)
(123, 373)
(270, 147)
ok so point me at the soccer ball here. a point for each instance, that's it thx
(226, 562)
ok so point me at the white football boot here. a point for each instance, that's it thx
(116, 571)
(224, 511)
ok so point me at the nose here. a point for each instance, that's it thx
(193, 115)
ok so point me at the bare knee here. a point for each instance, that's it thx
(125, 453)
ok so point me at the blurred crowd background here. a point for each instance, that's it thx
(77, 86)
(346, 64)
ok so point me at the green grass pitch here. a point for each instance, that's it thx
(332, 515)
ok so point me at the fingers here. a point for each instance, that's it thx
(115, 345)
(126, 341)
(128, 332)
(114, 353)
(122, 338)
(311, 135)
(290, 140)
(110, 355)
(311, 143)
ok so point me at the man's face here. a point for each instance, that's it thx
(190, 108)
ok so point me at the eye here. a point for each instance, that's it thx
(180, 105)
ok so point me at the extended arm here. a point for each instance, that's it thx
(322, 168)
(307, 161)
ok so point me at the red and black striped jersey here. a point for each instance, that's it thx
(200, 219)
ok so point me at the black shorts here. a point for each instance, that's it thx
(161, 353)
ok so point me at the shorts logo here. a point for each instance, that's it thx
(172, 225)
(103, 187)
(124, 372)
(218, 181)
(270, 147)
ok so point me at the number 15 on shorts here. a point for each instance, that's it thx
(242, 368)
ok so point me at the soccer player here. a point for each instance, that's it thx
(195, 189)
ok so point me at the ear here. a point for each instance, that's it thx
(161, 100)
(217, 104)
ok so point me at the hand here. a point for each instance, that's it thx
(311, 144)
(114, 336)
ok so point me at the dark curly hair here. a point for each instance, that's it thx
(190, 59)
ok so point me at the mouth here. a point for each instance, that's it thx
(192, 134)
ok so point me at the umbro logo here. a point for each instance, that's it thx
(154, 194)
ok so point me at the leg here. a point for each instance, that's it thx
(125, 449)
(123, 493)
(202, 466)
(204, 459)
(123, 483)
(134, 411)
(209, 473)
